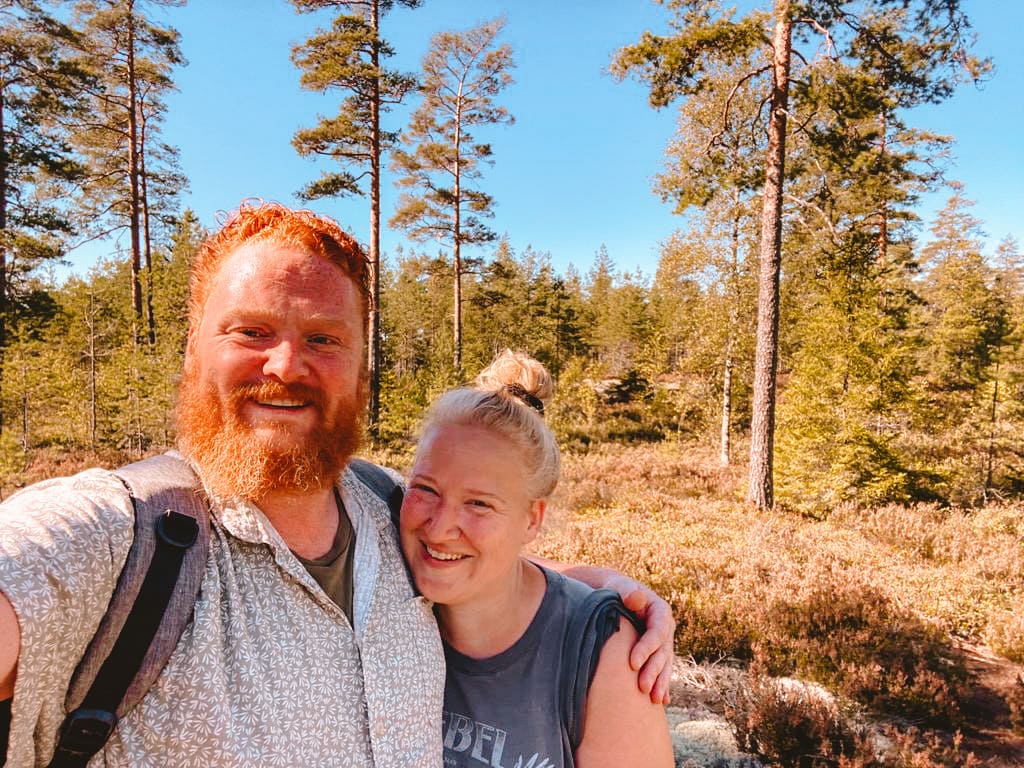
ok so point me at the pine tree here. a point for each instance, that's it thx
(913, 53)
(1005, 463)
(463, 73)
(348, 58)
(131, 172)
(965, 324)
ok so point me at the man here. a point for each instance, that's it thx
(308, 646)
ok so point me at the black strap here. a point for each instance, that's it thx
(596, 619)
(5, 728)
(87, 728)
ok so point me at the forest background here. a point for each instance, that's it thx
(785, 314)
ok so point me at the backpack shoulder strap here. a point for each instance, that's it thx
(594, 621)
(149, 609)
(381, 483)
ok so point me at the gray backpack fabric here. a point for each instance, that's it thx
(153, 600)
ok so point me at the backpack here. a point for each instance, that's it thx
(152, 602)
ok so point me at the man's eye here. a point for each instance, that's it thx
(321, 340)
(251, 333)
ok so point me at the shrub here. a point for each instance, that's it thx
(1005, 633)
(789, 723)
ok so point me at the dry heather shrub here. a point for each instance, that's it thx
(1005, 632)
(860, 602)
(785, 722)
(892, 748)
(850, 635)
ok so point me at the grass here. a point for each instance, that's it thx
(873, 604)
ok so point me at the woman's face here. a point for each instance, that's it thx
(466, 514)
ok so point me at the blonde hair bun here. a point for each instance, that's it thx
(500, 402)
(511, 369)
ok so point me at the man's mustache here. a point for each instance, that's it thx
(275, 390)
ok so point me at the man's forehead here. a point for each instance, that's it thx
(260, 262)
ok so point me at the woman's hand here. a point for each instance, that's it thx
(653, 653)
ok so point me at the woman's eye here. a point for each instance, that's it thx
(479, 505)
(423, 488)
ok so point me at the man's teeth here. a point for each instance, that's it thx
(444, 555)
(283, 403)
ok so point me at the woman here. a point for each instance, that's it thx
(521, 642)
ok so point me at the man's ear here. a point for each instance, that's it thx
(537, 507)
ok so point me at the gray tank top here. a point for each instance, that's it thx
(524, 707)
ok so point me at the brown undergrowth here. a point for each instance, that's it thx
(873, 604)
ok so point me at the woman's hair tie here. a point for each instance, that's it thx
(518, 391)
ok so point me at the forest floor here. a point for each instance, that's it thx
(703, 694)
(886, 637)
(994, 682)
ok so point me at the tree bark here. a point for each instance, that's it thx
(133, 175)
(990, 458)
(91, 325)
(373, 353)
(723, 450)
(762, 438)
(883, 211)
(724, 443)
(457, 240)
(146, 239)
(3, 251)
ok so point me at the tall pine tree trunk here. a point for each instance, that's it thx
(883, 211)
(723, 446)
(457, 241)
(991, 452)
(724, 443)
(133, 176)
(761, 490)
(373, 320)
(3, 251)
(146, 238)
(93, 395)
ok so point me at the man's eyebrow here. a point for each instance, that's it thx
(256, 314)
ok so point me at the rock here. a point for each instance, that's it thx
(702, 739)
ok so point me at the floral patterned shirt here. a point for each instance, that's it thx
(269, 673)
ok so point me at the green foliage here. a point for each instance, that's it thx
(347, 58)
(463, 73)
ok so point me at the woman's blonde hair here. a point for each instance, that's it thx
(508, 397)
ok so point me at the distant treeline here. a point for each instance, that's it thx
(903, 382)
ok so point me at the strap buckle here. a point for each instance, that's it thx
(85, 732)
(177, 530)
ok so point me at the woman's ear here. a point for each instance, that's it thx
(537, 507)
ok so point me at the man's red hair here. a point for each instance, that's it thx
(257, 221)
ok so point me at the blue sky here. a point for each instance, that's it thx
(576, 168)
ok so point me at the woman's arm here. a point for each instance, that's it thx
(622, 728)
(652, 654)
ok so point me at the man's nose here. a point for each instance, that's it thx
(285, 361)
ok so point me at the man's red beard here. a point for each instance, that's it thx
(236, 462)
